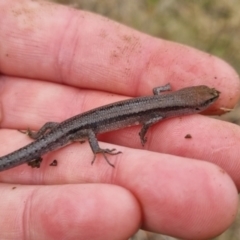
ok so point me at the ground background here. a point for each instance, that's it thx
(212, 26)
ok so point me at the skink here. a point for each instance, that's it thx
(145, 111)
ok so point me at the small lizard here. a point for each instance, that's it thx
(145, 111)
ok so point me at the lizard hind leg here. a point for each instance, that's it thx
(93, 142)
(104, 152)
(42, 131)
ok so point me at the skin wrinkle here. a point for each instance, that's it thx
(2, 91)
(26, 214)
(70, 36)
(2, 87)
(138, 74)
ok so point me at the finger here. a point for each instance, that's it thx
(182, 199)
(179, 197)
(68, 212)
(32, 107)
(85, 50)
(27, 103)
(209, 139)
(34, 103)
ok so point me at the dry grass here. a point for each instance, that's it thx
(215, 29)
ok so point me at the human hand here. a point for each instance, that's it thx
(57, 62)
